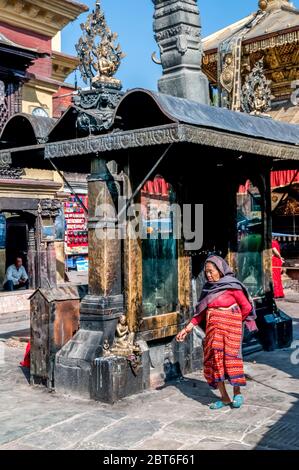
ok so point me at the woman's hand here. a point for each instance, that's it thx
(182, 335)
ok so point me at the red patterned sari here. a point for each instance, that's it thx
(223, 343)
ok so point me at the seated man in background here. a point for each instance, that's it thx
(16, 277)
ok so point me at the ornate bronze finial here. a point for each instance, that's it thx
(256, 91)
(263, 4)
(266, 5)
(99, 56)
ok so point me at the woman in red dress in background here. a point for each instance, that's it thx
(225, 305)
(277, 262)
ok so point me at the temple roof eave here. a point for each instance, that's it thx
(46, 17)
(184, 122)
(276, 23)
(167, 134)
(170, 134)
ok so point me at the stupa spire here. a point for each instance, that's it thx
(178, 34)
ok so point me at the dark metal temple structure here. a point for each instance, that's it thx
(142, 289)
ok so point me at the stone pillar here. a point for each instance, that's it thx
(178, 34)
(104, 304)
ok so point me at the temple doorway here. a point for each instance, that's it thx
(17, 240)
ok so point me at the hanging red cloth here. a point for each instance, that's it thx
(276, 272)
(284, 177)
(278, 179)
(26, 361)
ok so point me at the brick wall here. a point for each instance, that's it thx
(62, 100)
(43, 66)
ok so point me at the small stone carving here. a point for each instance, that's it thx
(106, 348)
(124, 340)
(122, 332)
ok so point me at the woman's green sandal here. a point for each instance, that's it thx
(218, 405)
(238, 401)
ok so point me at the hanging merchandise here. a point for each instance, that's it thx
(2, 231)
(76, 233)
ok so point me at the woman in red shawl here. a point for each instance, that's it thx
(277, 262)
(225, 305)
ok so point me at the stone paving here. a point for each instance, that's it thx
(171, 418)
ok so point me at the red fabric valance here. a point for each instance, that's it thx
(283, 178)
(278, 179)
(158, 187)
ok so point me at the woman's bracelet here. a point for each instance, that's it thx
(188, 331)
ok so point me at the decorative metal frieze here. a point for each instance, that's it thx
(276, 41)
(6, 171)
(173, 133)
(115, 141)
(99, 56)
(256, 91)
(11, 173)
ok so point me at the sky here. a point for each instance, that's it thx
(133, 21)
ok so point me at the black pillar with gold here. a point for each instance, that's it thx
(94, 364)
(102, 307)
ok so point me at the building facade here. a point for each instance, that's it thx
(33, 93)
(37, 25)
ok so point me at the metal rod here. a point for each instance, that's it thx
(69, 186)
(140, 186)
